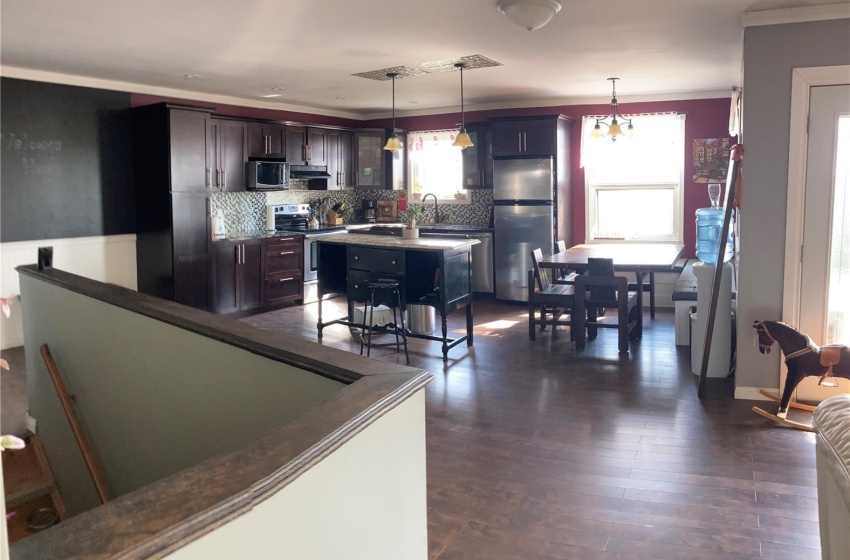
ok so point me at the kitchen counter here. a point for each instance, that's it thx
(392, 242)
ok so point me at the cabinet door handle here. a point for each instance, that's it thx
(524, 141)
(286, 239)
(356, 286)
(288, 253)
(393, 262)
(243, 254)
(209, 177)
(224, 178)
(268, 144)
(304, 153)
(286, 279)
(238, 255)
(519, 141)
(356, 258)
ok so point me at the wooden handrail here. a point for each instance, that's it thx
(76, 426)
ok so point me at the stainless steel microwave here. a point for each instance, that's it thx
(267, 175)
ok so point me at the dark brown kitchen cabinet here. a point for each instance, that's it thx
(283, 266)
(317, 146)
(478, 159)
(266, 140)
(228, 152)
(526, 136)
(375, 167)
(339, 159)
(346, 158)
(171, 178)
(188, 142)
(237, 278)
(296, 145)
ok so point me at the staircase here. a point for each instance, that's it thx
(31, 493)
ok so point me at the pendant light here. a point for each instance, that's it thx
(393, 143)
(614, 129)
(462, 140)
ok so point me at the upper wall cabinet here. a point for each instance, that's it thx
(229, 151)
(375, 167)
(530, 136)
(317, 146)
(339, 159)
(190, 136)
(266, 140)
(478, 159)
(296, 145)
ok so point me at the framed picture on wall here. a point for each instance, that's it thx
(711, 160)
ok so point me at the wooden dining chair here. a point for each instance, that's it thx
(600, 288)
(545, 298)
(563, 275)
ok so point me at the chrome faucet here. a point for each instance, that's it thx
(436, 211)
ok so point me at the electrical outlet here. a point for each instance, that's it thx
(31, 423)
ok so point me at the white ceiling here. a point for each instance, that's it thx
(311, 47)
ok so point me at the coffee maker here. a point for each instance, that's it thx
(369, 213)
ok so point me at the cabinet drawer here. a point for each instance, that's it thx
(286, 243)
(284, 286)
(357, 290)
(376, 260)
(287, 259)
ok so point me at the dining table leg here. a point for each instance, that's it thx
(639, 274)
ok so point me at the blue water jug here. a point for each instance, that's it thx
(709, 226)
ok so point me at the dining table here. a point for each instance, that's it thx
(638, 258)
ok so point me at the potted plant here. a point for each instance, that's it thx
(411, 214)
(417, 189)
(460, 195)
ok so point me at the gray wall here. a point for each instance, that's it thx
(153, 398)
(770, 54)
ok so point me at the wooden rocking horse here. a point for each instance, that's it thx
(803, 358)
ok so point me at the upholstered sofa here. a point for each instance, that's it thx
(832, 425)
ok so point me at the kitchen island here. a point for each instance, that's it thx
(430, 271)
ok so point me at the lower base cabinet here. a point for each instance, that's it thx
(258, 274)
(237, 280)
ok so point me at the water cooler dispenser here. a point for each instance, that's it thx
(709, 223)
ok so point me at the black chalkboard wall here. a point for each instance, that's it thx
(66, 161)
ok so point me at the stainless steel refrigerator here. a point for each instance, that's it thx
(523, 220)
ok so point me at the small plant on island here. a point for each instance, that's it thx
(411, 214)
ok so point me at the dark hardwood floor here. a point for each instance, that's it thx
(537, 451)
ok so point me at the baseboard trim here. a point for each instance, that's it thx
(751, 393)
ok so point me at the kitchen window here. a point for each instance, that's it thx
(436, 166)
(634, 186)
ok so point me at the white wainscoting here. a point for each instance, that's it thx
(109, 258)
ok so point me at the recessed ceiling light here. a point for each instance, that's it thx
(278, 88)
(191, 76)
(273, 95)
(341, 98)
(414, 102)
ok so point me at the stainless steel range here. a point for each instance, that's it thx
(293, 218)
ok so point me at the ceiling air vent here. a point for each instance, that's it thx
(399, 71)
(470, 62)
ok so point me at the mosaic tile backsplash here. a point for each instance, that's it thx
(245, 212)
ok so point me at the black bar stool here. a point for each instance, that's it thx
(384, 288)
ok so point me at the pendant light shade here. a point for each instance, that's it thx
(393, 143)
(529, 14)
(462, 140)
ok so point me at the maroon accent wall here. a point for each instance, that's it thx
(706, 118)
(140, 99)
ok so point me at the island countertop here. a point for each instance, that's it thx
(392, 242)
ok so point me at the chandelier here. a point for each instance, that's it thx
(614, 128)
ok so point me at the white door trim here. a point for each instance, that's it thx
(802, 80)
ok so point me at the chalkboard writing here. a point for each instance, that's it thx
(67, 165)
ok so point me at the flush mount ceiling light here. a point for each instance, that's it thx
(462, 140)
(529, 14)
(614, 128)
(393, 143)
